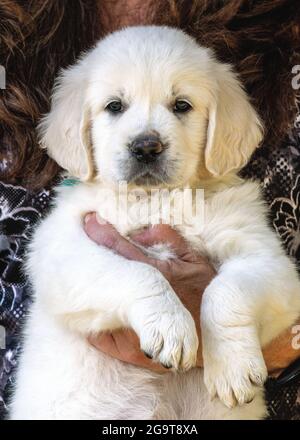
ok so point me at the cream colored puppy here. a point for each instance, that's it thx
(151, 107)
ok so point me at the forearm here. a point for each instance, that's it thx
(282, 351)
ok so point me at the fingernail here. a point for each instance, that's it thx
(88, 217)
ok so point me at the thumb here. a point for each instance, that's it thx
(105, 234)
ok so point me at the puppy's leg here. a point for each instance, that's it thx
(244, 307)
(98, 290)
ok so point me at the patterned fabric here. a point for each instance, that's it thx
(278, 170)
(19, 212)
(279, 173)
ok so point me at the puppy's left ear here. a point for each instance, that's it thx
(65, 130)
(234, 128)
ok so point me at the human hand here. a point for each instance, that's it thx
(188, 274)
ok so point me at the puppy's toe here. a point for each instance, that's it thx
(235, 380)
(171, 340)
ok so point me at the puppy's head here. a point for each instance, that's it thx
(150, 106)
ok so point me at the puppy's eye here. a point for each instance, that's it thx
(182, 106)
(114, 106)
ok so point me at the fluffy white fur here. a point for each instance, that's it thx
(81, 288)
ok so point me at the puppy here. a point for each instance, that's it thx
(150, 107)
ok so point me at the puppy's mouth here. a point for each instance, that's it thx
(159, 173)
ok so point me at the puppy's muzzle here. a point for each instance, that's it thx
(146, 148)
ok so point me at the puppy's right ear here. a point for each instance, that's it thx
(65, 130)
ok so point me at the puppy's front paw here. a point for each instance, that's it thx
(166, 330)
(234, 371)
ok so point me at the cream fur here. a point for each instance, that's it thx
(81, 288)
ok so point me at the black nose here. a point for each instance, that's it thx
(146, 148)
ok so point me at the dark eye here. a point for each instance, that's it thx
(182, 106)
(114, 106)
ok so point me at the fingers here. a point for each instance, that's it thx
(124, 345)
(105, 343)
(106, 235)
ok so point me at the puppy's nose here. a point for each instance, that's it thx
(146, 148)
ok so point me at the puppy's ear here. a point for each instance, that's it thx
(65, 131)
(234, 128)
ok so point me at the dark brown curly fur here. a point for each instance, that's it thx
(260, 37)
(37, 38)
